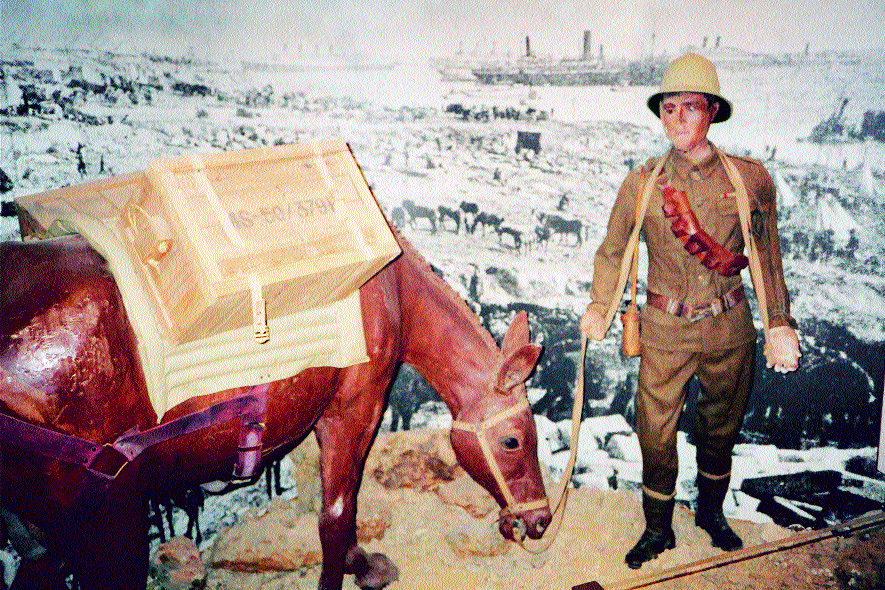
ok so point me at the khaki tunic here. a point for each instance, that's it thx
(675, 273)
(719, 350)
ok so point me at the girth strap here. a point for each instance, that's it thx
(105, 461)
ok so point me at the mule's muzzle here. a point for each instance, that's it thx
(530, 523)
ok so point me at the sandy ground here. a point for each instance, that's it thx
(598, 530)
(436, 543)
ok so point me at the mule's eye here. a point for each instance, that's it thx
(510, 442)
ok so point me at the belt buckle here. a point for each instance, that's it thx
(699, 313)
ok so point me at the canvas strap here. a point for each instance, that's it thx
(634, 264)
(633, 242)
(743, 203)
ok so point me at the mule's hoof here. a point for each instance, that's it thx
(380, 572)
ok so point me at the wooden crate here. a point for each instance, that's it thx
(104, 199)
(298, 220)
(221, 239)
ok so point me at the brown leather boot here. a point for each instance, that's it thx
(658, 535)
(709, 515)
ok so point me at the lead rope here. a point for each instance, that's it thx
(562, 493)
(578, 404)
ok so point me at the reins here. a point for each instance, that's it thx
(562, 492)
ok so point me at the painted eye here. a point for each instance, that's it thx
(510, 443)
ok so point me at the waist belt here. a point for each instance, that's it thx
(694, 313)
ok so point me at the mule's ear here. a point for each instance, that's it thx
(517, 334)
(517, 367)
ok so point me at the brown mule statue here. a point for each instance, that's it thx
(70, 379)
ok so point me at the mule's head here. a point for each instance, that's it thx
(495, 440)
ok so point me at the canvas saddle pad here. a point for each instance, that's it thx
(327, 336)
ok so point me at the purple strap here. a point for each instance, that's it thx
(99, 458)
(56, 445)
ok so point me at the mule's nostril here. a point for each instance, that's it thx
(519, 529)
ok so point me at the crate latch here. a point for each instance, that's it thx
(259, 310)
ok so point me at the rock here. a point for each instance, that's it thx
(477, 538)
(588, 438)
(420, 459)
(306, 472)
(177, 565)
(624, 448)
(593, 479)
(467, 494)
(554, 434)
(280, 539)
(602, 428)
(373, 511)
(769, 532)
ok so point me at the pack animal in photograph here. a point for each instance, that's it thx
(509, 237)
(419, 212)
(556, 225)
(445, 214)
(470, 210)
(488, 221)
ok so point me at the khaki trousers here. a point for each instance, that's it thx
(726, 380)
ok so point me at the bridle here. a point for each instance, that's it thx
(480, 429)
(562, 492)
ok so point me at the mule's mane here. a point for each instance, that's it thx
(427, 272)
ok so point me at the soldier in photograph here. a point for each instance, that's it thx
(696, 320)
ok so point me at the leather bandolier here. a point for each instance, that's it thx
(697, 242)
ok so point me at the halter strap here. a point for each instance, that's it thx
(479, 429)
(516, 408)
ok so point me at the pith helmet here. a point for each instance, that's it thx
(691, 73)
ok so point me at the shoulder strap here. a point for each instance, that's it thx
(633, 242)
(743, 205)
(634, 264)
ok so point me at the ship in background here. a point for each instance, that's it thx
(531, 70)
(593, 69)
(460, 66)
(300, 61)
(732, 58)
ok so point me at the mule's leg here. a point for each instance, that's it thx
(110, 549)
(46, 573)
(345, 434)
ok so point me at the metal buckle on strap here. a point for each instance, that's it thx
(249, 451)
(711, 309)
(701, 312)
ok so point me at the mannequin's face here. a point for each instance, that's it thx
(686, 118)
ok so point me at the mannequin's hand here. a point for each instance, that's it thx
(593, 324)
(784, 349)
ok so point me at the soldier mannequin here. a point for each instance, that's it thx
(696, 321)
